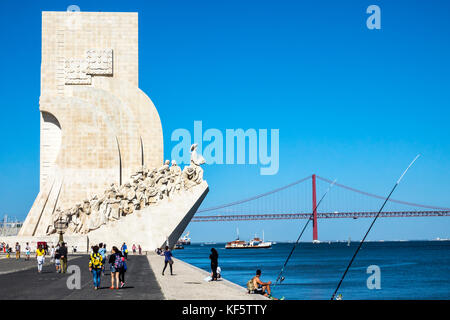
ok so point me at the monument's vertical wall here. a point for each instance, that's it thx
(97, 126)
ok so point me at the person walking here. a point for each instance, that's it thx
(102, 252)
(134, 248)
(40, 257)
(122, 271)
(17, 251)
(124, 250)
(52, 254)
(115, 263)
(57, 260)
(95, 266)
(139, 249)
(63, 253)
(214, 257)
(167, 260)
(27, 252)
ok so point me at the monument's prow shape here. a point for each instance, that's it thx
(97, 130)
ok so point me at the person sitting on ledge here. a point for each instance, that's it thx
(259, 287)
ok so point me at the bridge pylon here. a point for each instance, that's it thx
(314, 208)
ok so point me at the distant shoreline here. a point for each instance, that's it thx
(208, 243)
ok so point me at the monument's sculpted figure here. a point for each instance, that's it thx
(98, 129)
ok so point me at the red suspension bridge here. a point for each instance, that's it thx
(298, 199)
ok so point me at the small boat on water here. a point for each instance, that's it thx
(178, 246)
(184, 240)
(255, 243)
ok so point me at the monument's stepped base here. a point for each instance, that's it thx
(188, 283)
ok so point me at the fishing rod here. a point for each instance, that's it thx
(371, 225)
(301, 233)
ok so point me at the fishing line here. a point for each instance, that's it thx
(371, 225)
(301, 233)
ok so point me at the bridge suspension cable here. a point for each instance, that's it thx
(254, 197)
(380, 197)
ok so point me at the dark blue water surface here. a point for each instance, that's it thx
(408, 270)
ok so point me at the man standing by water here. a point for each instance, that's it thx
(63, 253)
(214, 257)
(168, 260)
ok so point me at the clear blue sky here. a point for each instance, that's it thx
(350, 103)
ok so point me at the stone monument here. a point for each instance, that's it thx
(101, 152)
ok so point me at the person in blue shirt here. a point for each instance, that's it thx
(124, 250)
(102, 252)
(167, 260)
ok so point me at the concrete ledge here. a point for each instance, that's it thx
(188, 283)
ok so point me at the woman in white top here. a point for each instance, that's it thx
(52, 254)
(28, 251)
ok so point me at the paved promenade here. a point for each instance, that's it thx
(144, 281)
(24, 282)
(188, 283)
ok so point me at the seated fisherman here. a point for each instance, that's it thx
(261, 287)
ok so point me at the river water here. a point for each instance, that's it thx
(407, 269)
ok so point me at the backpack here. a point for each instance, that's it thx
(118, 263)
(96, 261)
(250, 285)
(124, 265)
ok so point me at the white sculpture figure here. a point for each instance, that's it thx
(196, 158)
(74, 220)
(175, 169)
(196, 161)
(165, 167)
(85, 212)
(151, 195)
(188, 177)
(114, 209)
(175, 179)
(140, 195)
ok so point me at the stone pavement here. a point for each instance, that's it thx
(12, 265)
(188, 283)
(24, 282)
(144, 281)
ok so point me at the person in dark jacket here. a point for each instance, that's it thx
(214, 257)
(114, 266)
(167, 260)
(122, 271)
(63, 253)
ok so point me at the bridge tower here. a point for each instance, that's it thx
(315, 238)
